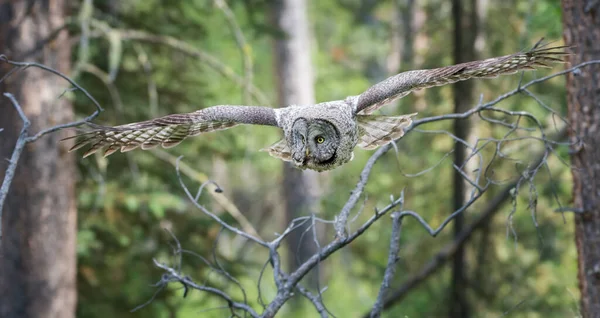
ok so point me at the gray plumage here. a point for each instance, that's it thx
(318, 137)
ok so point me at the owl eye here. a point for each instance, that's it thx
(320, 139)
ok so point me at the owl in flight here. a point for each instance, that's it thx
(318, 137)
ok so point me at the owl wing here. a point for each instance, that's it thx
(279, 150)
(170, 130)
(375, 131)
(402, 84)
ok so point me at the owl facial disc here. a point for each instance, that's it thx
(313, 143)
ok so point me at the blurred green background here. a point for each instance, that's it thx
(127, 200)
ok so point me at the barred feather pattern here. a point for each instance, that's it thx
(404, 83)
(167, 131)
(375, 131)
(280, 150)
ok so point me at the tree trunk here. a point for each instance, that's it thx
(465, 32)
(37, 252)
(582, 30)
(295, 84)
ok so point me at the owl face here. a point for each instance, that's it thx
(313, 143)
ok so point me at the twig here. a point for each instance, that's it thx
(222, 270)
(221, 199)
(342, 218)
(285, 291)
(498, 99)
(24, 65)
(390, 269)
(24, 137)
(21, 66)
(211, 215)
(14, 159)
(285, 283)
(173, 275)
(315, 300)
(149, 301)
(448, 251)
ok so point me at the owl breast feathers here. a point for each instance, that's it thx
(318, 137)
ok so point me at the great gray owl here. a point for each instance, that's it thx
(322, 136)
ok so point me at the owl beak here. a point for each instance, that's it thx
(306, 148)
(302, 154)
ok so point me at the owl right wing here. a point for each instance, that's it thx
(170, 130)
(404, 83)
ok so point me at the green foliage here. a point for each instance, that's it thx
(125, 202)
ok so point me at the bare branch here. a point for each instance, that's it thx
(24, 65)
(24, 136)
(315, 300)
(14, 159)
(342, 218)
(172, 275)
(287, 283)
(221, 199)
(390, 269)
(213, 216)
(498, 99)
(21, 66)
(448, 251)
(284, 293)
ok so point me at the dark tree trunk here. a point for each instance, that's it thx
(37, 252)
(295, 84)
(465, 32)
(582, 30)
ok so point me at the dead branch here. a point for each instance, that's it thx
(24, 136)
(14, 159)
(287, 284)
(390, 269)
(447, 252)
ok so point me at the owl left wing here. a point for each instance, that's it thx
(375, 131)
(170, 130)
(402, 84)
(280, 150)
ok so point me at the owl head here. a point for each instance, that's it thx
(323, 136)
(318, 137)
(313, 142)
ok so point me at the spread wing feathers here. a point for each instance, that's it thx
(402, 84)
(167, 131)
(279, 150)
(375, 131)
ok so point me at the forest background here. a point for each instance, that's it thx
(143, 59)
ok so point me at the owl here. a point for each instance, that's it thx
(321, 136)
